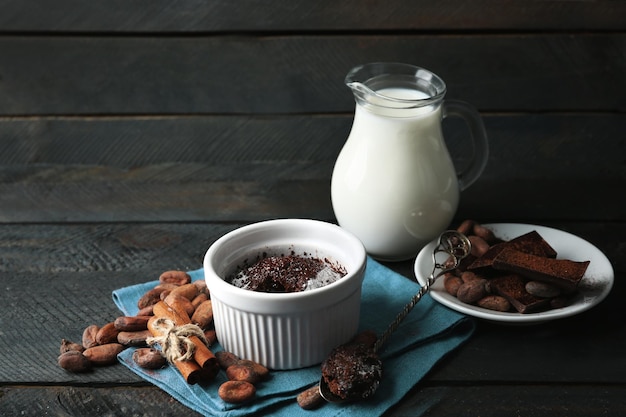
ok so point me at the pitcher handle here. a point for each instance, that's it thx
(479, 139)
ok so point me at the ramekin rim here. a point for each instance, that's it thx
(226, 287)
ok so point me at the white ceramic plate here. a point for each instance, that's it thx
(593, 288)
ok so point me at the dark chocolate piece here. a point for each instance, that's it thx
(530, 242)
(484, 262)
(563, 273)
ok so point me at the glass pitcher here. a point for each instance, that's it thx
(394, 184)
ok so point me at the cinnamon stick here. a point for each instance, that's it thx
(190, 370)
(179, 317)
(203, 356)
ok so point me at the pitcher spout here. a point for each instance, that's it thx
(395, 86)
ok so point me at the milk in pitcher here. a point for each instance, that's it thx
(394, 184)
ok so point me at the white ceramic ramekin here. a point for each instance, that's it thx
(285, 330)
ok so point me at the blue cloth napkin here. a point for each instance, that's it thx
(426, 335)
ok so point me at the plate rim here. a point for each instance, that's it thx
(506, 317)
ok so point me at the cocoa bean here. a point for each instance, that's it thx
(472, 291)
(179, 303)
(310, 399)
(226, 359)
(494, 302)
(466, 227)
(74, 361)
(149, 298)
(559, 302)
(236, 392)
(189, 291)
(542, 289)
(468, 276)
(149, 358)
(146, 311)
(242, 373)
(479, 246)
(103, 355)
(203, 315)
(136, 338)
(107, 334)
(89, 336)
(175, 277)
(481, 231)
(452, 283)
(258, 369)
(202, 288)
(199, 299)
(210, 336)
(165, 286)
(164, 294)
(132, 323)
(68, 345)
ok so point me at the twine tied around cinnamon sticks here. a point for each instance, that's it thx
(175, 341)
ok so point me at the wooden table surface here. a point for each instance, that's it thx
(57, 279)
(134, 135)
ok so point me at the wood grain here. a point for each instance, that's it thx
(57, 280)
(66, 401)
(245, 168)
(301, 74)
(323, 15)
(576, 401)
(428, 400)
(134, 134)
(135, 143)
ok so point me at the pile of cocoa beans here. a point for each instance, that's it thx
(475, 288)
(101, 344)
(468, 287)
(243, 376)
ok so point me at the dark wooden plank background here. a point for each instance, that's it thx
(218, 167)
(280, 15)
(301, 73)
(133, 134)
